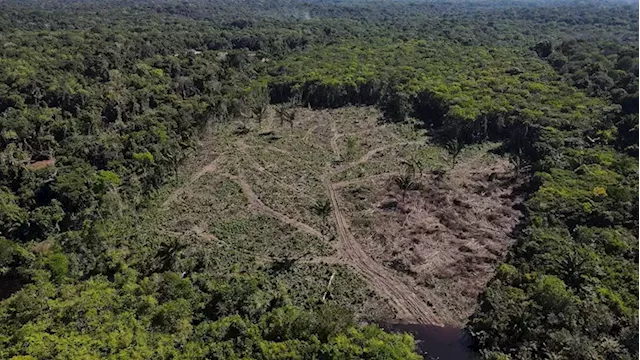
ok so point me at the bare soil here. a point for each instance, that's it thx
(447, 236)
(428, 254)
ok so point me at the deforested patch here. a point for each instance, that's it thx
(447, 234)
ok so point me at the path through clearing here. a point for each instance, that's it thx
(260, 206)
(250, 158)
(366, 157)
(406, 302)
(209, 168)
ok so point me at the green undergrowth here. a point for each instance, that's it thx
(558, 274)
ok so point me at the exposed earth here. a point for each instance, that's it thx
(426, 253)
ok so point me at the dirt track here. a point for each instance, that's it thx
(415, 305)
(406, 302)
(209, 168)
(366, 157)
(408, 305)
(260, 206)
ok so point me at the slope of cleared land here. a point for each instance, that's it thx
(426, 254)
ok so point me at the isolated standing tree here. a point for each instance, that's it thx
(519, 163)
(454, 147)
(259, 103)
(254, 105)
(286, 113)
(291, 117)
(322, 208)
(259, 112)
(404, 183)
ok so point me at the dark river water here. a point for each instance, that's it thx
(436, 342)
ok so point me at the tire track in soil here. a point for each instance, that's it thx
(209, 168)
(408, 305)
(371, 153)
(281, 151)
(334, 139)
(309, 132)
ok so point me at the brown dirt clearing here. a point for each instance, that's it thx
(427, 256)
(447, 237)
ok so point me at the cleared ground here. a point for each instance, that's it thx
(246, 201)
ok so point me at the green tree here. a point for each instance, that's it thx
(454, 148)
(12, 216)
(323, 209)
(405, 183)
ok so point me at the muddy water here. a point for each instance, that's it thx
(436, 342)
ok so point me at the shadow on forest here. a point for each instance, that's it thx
(11, 283)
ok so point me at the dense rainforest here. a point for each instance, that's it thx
(100, 101)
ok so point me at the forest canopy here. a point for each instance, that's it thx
(100, 101)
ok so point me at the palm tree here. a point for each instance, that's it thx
(259, 103)
(290, 117)
(168, 253)
(286, 114)
(454, 147)
(259, 110)
(404, 183)
(286, 111)
(322, 208)
(281, 111)
(519, 163)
